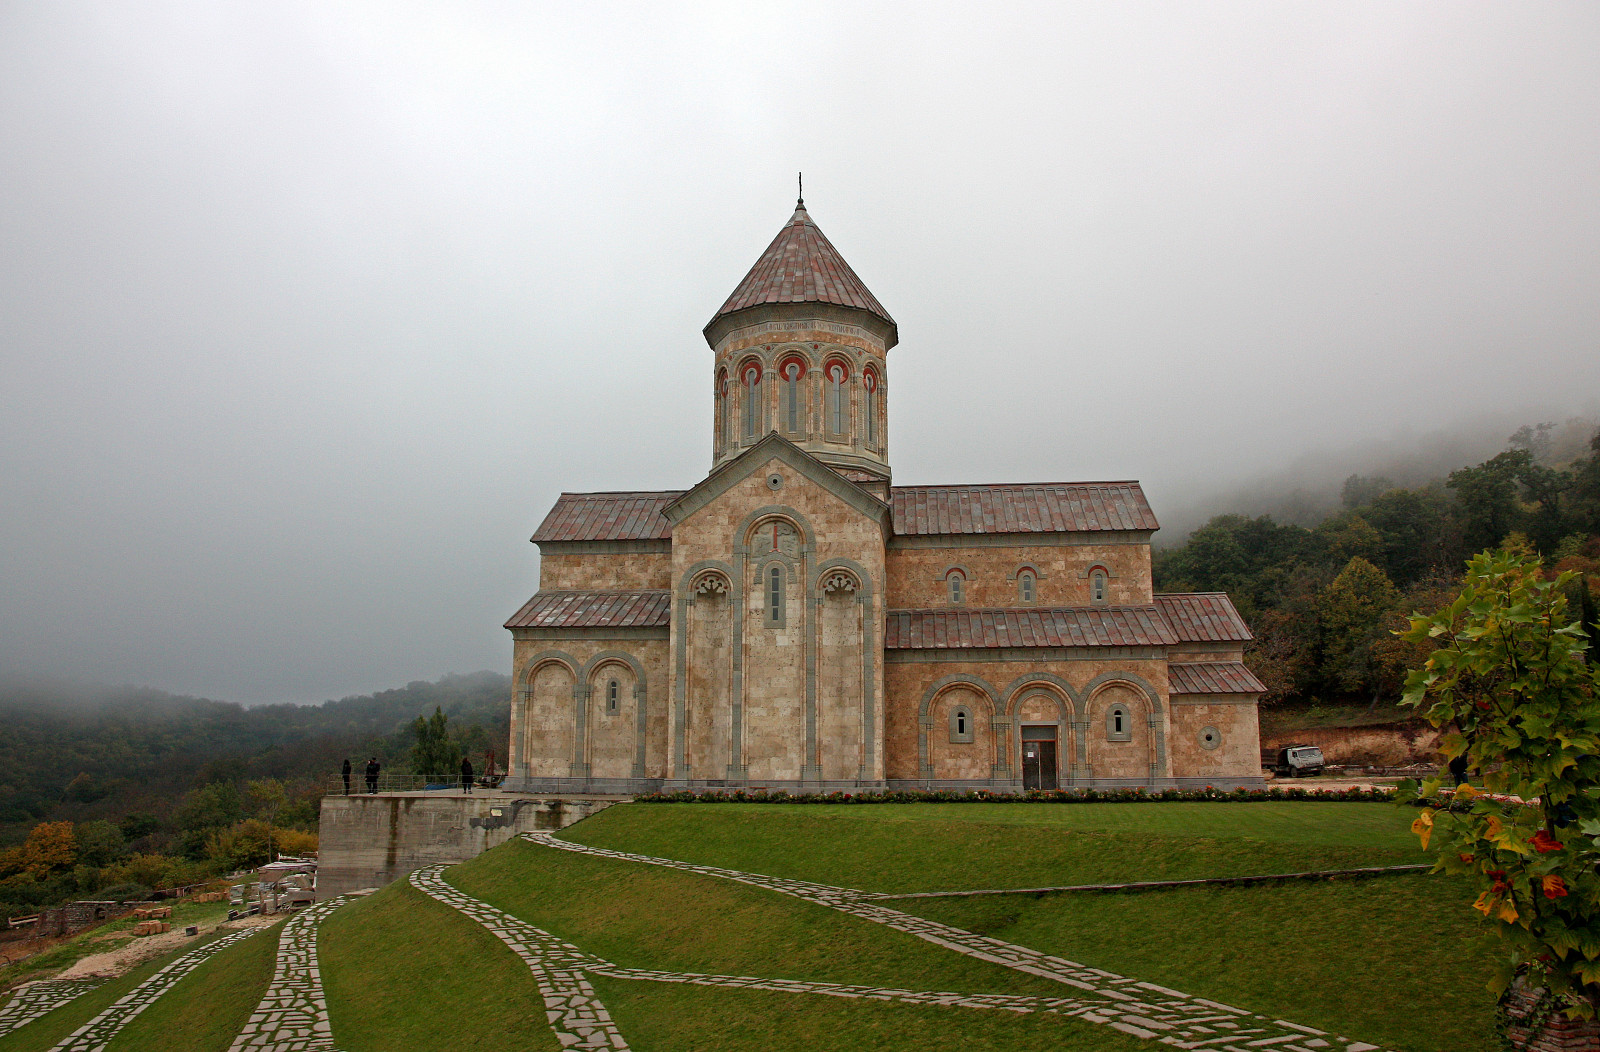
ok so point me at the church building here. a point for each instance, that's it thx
(795, 621)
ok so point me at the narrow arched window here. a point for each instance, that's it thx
(1119, 724)
(774, 595)
(869, 381)
(836, 413)
(1097, 586)
(611, 696)
(752, 397)
(957, 588)
(960, 725)
(791, 395)
(1025, 590)
(722, 410)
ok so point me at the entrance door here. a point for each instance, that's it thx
(1039, 758)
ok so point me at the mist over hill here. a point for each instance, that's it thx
(1310, 488)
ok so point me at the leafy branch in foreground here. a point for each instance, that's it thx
(1508, 677)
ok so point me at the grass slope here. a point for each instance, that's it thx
(46, 1031)
(1397, 960)
(647, 917)
(404, 973)
(943, 847)
(207, 1008)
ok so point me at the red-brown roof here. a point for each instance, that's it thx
(956, 629)
(642, 609)
(1213, 677)
(1203, 617)
(802, 266)
(1045, 508)
(608, 517)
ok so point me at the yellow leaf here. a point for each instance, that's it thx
(1508, 913)
(1423, 827)
(1466, 792)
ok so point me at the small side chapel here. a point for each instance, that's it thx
(795, 621)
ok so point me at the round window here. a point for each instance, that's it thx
(1210, 738)
(774, 481)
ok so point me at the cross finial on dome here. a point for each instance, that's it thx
(800, 202)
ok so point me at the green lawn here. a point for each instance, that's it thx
(1396, 959)
(101, 939)
(404, 973)
(44, 1032)
(945, 847)
(205, 1010)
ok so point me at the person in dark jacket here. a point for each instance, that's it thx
(466, 774)
(372, 775)
(345, 770)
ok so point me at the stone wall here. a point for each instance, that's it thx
(1215, 737)
(368, 841)
(563, 726)
(602, 571)
(917, 575)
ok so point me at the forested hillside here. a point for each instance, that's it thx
(120, 790)
(1323, 601)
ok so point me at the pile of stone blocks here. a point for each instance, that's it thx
(151, 927)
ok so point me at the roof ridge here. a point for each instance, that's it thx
(1016, 485)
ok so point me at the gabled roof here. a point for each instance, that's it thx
(775, 446)
(1079, 626)
(641, 609)
(802, 266)
(1065, 507)
(1213, 677)
(608, 517)
(1203, 617)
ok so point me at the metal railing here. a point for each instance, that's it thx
(401, 783)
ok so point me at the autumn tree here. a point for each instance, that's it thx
(1507, 675)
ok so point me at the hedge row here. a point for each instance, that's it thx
(1035, 796)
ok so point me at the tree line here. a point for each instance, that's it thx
(1324, 602)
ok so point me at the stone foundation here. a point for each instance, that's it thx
(1558, 1034)
(370, 840)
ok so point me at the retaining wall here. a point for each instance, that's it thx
(366, 841)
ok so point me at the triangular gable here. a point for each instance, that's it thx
(775, 446)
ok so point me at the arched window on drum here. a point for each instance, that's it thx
(869, 384)
(836, 375)
(723, 437)
(792, 373)
(750, 380)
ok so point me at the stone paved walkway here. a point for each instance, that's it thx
(1144, 1010)
(97, 1032)
(34, 1000)
(293, 1014)
(573, 1011)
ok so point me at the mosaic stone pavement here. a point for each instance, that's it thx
(293, 1014)
(34, 1000)
(97, 1032)
(1141, 1009)
(574, 1013)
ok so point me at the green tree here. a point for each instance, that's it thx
(1488, 496)
(99, 843)
(1507, 672)
(434, 754)
(1350, 612)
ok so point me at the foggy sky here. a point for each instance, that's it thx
(308, 311)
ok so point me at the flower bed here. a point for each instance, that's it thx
(983, 796)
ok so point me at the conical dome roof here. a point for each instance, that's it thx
(802, 266)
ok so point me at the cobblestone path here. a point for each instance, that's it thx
(34, 1000)
(293, 1014)
(573, 1011)
(1141, 1009)
(93, 1035)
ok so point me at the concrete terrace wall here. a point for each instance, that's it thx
(368, 841)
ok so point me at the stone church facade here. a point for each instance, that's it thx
(795, 621)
